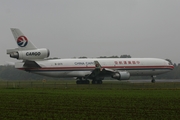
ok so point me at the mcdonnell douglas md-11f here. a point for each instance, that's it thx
(36, 60)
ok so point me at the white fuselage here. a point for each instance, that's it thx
(83, 67)
(35, 61)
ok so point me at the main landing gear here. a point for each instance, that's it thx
(96, 81)
(153, 79)
(85, 81)
(81, 81)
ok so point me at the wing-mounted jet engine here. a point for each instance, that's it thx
(121, 75)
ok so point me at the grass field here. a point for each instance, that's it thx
(52, 100)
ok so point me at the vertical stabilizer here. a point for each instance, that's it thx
(21, 40)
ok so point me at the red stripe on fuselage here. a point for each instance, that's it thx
(110, 67)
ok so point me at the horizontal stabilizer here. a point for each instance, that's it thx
(9, 51)
(31, 64)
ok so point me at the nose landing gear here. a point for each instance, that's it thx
(153, 79)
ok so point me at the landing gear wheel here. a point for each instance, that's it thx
(96, 81)
(99, 82)
(93, 81)
(78, 82)
(153, 80)
(87, 82)
(82, 82)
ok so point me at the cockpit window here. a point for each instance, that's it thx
(169, 61)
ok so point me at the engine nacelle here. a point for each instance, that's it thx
(121, 75)
(30, 54)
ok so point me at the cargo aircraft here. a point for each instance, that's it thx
(36, 60)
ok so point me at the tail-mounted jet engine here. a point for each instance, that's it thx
(121, 75)
(29, 54)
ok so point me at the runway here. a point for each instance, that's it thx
(157, 80)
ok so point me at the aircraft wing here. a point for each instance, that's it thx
(99, 71)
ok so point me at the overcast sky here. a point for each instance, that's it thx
(93, 28)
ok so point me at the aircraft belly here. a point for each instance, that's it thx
(147, 72)
(84, 73)
(63, 73)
